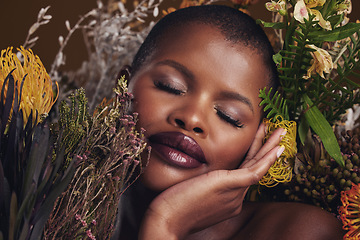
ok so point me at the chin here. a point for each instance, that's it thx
(154, 186)
(159, 176)
(157, 184)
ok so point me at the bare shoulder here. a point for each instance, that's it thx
(288, 221)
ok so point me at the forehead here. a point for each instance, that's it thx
(212, 52)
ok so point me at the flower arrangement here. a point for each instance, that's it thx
(108, 152)
(316, 92)
(58, 168)
(59, 162)
(73, 163)
(318, 61)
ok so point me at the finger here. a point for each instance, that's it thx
(270, 144)
(258, 141)
(245, 177)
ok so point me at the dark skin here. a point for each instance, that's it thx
(207, 88)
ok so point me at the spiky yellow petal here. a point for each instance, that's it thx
(281, 170)
(37, 92)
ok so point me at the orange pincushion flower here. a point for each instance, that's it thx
(350, 212)
(37, 93)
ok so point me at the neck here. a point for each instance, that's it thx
(134, 203)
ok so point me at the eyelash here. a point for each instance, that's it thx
(168, 88)
(229, 119)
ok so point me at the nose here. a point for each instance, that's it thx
(190, 117)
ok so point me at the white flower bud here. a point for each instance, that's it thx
(61, 40)
(67, 24)
(156, 11)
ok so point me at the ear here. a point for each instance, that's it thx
(125, 71)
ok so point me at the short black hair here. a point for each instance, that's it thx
(236, 27)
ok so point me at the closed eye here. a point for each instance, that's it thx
(168, 88)
(227, 118)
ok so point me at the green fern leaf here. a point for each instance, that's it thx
(275, 105)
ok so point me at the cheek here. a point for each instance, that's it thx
(235, 154)
(150, 109)
(232, 147)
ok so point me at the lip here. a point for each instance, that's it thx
(178, 149)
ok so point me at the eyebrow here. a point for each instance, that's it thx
(238, 97)
(179, 67)
(187, 73)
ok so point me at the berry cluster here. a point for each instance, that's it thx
(321, 182)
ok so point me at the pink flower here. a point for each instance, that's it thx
(303, 8)
(90, 235)
(279, 7)
(300, 11)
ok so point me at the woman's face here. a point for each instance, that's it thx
(197, 99)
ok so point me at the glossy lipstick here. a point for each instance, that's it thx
(177, 149)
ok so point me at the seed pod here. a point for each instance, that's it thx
(342, 182)
(348, 183)
(346, 173)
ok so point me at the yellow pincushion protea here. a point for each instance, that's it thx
(281, 170)
(350, 212)
(37, 93)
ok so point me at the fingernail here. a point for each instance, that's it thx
(282, 135)
(280, 151)
(264, 125)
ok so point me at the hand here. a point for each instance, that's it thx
(208, 199)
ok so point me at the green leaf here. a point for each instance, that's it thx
(276, 104)
(295, 47)
(303, 130)
(328, 8)
(25, 230)
(43, 213)
(13, 213)
(322, 128)
(336, 19)
(274, 25)
(336, 34)
(25, 209)
(37, 156)
(277, 58)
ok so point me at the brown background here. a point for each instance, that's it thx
(16, 17)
